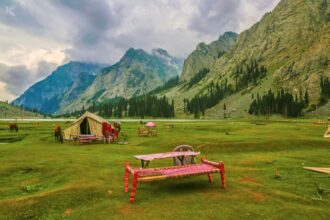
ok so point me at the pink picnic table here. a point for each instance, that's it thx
(177, 154)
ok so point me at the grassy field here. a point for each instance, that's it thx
(42, 179)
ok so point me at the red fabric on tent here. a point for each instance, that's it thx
(106, 127)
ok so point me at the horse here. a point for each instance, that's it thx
(117, 126)
(58, 133)
(13, 127)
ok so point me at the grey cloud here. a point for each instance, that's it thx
(18, 78)
(264, 5)
(214, 17)
(93, 22)
(96, 31)
(44, 69)
(14, 13)
(217, 16)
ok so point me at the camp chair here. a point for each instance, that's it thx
(143, 132)
(185, 160)
(153, 132)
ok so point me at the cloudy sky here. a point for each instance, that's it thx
(36, 36)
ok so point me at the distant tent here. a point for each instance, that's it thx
(327, 133)
(88, 123)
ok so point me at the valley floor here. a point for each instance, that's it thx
(43, 179)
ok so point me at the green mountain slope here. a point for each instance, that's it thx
(136, 73)
(9, 111)
(204, 55)
(292, 42)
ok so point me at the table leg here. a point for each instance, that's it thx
(210, 177)
(134, 185)
(147, 164)
(222, 174)
(126, 180)
(193, 160)
(144, 165)
(181, 159)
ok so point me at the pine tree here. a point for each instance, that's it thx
(306, 98)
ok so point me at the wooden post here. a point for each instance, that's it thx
(126, 177)
(210, 177)
(134, 185)
(222, 172)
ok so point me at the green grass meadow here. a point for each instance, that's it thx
(44, 179)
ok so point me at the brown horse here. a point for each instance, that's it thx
(13, 127)
(58, 133)
(117, 126)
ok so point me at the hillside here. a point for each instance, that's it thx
(10, 111)
(292, 42)
(61, 87)
(136, 73)
(205, 54)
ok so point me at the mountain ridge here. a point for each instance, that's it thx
(205, 54)
(292, 42)
(47, 94)
(136, 73)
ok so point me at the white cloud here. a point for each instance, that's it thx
(56, 31)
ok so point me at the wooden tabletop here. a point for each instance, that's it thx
(150, 157)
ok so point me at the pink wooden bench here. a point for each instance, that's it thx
(154, 174)
(84, 138)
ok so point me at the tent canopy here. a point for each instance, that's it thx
(88, 123)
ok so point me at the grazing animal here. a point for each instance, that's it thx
(58, 133)
(13, 127)
(117, 126)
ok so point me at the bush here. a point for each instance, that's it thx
(31, 188)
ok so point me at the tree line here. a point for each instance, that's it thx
(139, 106)
(198, 77)
(28, 109)
(325, 90)
(200, 103)
(244, 75)
(283, 103)
(247, 74)
(167, 85)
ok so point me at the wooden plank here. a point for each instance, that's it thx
(319, 169)
(151, 178)
(150, 157)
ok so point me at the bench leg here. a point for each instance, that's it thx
(134, 185)
(210, 177)
(222, 173)
(126, 179)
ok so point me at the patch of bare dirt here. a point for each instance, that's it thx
(249, 180)
(258, 196)
(247, 162)
(68, 212)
